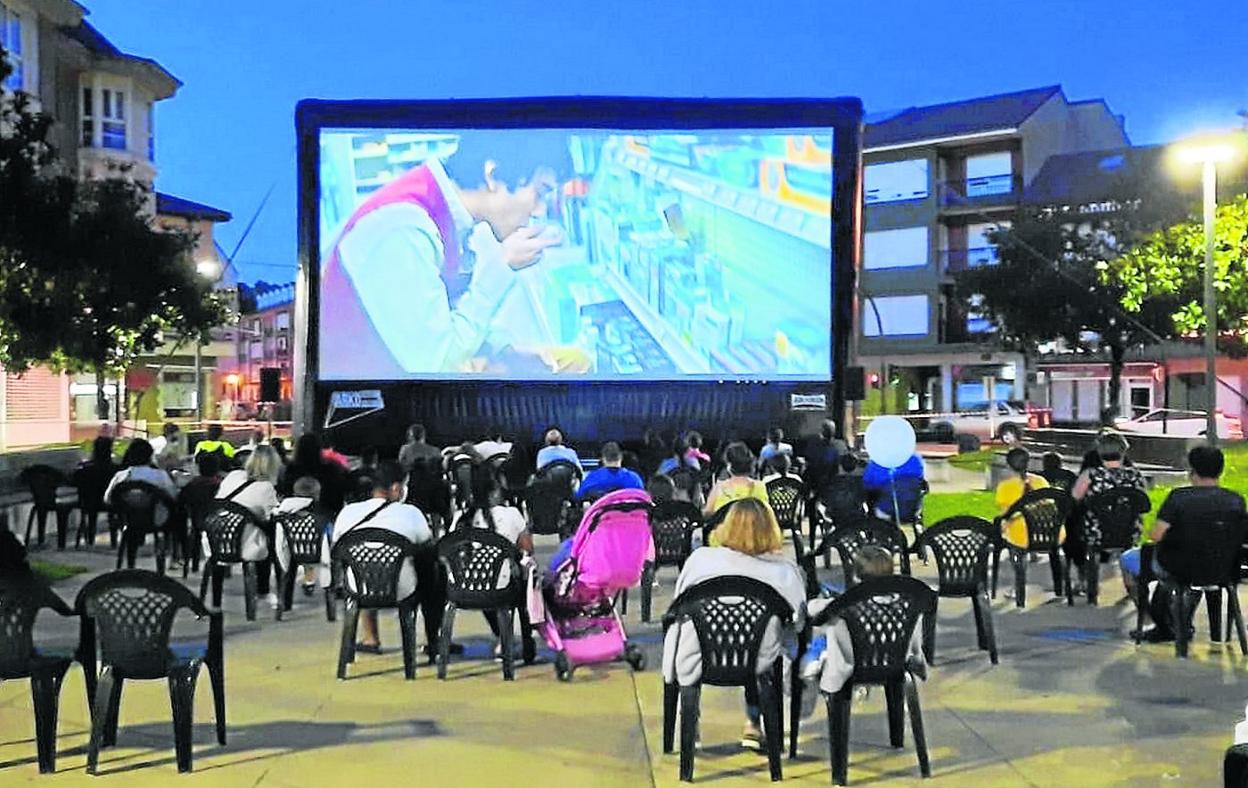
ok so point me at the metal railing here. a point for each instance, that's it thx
(983, 190)
(954, 260)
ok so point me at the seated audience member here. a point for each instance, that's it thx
(279, 446)
(1112, 472)
(385, 510)
(830, 656)
(694, 439)
(215, 442)
(493, 445)
(739, 484)
(416, 449)
(257, 439)
(555, 450)
(93, 476)
(201, 490)
(136, 466)
(360, 478)
(608, 477)
(653, 451)
(661, 488)
(255, 487)
(1055, 473)
(1011, 489)
(1178, 529)
(748, 543)
(881, 483)
(309, 462)
(678, 458)
(330, 453)
(775, 445)
(781, 465)
(306, 496)
(167, 447)
(488, 511)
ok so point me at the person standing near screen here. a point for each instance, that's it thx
(390, 289)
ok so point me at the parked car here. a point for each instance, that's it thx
(1006, 423)
(1184, 423)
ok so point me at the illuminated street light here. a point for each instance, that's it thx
(1209, 153)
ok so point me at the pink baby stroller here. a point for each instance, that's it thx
(609, 551)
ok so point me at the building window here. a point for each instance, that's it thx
(281, 345)
(989, 174)
(11, 41)
(903, 248)
(282, 321)
(979, 249)
(257, 351)
(150, 110)
(113, 119)
(896, 181)
(88, 117)
(976, 322)
(894, 316)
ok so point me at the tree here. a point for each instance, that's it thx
(1167, 268)
(1047, 285)
(87, 282)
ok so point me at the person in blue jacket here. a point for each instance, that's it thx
(610, 476)
(907, 480)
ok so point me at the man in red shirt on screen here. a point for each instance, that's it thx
(394, 300)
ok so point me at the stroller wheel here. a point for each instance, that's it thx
(635, 657)
(563, 669)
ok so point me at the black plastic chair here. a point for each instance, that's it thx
(21, 599)
(224, 525)
(849, 538)
(1117, 514)
(962, 547)
(139, 506)
(368, 562)
(474, 559)
(842, 501)
(304, 532)
(43, 481)
(1045, 512)
(547, 504)
(130, 614)
(1216, 553)
(513, 476)
(460, 476)
(672, 524)
(730, 616)
(787, 496)
(1061, 479)
(881, 615)
(561, 472)
(91, 481)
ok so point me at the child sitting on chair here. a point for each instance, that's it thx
(830, 669)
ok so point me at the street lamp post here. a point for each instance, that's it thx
(210, 269)
(1208, 155)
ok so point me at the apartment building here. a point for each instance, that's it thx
(938, 179)
(266, 339)
(104, 102)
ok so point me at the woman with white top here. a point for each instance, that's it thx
(253, 486)
(487, 511)
(748, 544)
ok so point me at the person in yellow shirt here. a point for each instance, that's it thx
(1010, 490)
(740, 484)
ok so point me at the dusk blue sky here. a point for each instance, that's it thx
(228, 136)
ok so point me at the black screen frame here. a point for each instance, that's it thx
(843, 116)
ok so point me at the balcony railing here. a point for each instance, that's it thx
(1004, 188)
(954, 260)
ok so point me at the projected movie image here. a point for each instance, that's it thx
(559, 254)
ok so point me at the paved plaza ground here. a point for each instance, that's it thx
(1072, 703)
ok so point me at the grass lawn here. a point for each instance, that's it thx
(977, 461)
(938, 506)
(52, 572)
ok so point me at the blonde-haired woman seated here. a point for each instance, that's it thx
(253, 486)
(746, 544)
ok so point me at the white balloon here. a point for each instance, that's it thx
(890, 441)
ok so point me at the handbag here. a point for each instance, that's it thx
(534, 600)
